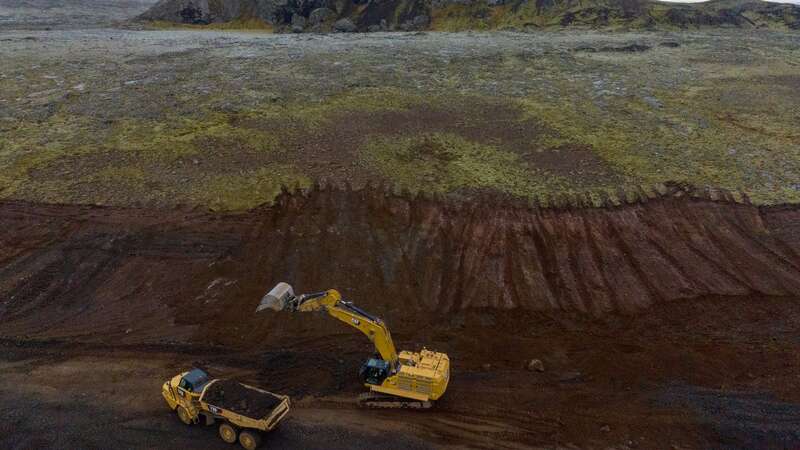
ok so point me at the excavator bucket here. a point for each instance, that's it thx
(277, 298)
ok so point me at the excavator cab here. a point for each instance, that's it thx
(374, 371)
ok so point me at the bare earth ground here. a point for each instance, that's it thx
(688, 345)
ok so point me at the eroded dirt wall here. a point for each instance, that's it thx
(91, 273)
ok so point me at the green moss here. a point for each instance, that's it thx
(181, 137)
(696, 137)
(324, 110)
(29, 145)
(441, 162)
(248, 189)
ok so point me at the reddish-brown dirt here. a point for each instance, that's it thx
(668, 322)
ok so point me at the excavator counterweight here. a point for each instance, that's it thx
(396, 380)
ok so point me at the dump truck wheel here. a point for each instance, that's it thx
(227, 433)
(249, 439)
(184, 415)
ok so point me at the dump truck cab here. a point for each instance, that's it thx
(182, 393)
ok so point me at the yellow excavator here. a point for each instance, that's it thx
(404, 380)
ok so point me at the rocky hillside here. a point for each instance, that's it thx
(387, 15)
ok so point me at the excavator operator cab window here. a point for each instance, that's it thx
(374, 371)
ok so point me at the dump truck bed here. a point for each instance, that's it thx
(244, 405)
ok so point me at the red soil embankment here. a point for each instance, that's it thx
(131, 275)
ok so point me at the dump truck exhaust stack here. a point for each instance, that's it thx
(277, 298)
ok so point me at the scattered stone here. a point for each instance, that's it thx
(652, 101)
(345, 26)
(570, 377)
(374, 28)
(605, 429)
(536, 364)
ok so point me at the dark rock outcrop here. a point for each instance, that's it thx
(415, 14)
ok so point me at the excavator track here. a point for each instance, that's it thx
(384, 401)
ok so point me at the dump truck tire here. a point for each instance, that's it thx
(184, 415)
(250, 439)
(227, 433)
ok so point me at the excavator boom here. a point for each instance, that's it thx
(330, 301)
(407, 379)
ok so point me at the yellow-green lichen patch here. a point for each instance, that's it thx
(248, 189)
(31, 144)
(442, 163)
(182, 137)
(699, 135)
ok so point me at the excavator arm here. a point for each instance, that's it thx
(282, 298)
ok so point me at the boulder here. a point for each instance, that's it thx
(320, 15)
(298, 23)
(345, 26)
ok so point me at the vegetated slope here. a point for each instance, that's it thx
(381, 15)
(130, 275)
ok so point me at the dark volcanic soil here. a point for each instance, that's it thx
(229, 394)
(666, 322)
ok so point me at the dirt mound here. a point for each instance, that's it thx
(233, 396)
(128, 275)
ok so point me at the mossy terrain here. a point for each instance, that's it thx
(522, 114)
(443, 163)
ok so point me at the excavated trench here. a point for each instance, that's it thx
(115, 275)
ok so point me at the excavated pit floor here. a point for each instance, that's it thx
(670, 322)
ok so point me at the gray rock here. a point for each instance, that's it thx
(298, 23)
(320, 15)
(421, 21)
(374, 28)
(384, 25)
(345, 26)
(653, 102)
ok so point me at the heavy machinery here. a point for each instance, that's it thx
(404, 380)
(244, 412)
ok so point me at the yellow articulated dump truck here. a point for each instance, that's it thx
(243, 412)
